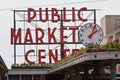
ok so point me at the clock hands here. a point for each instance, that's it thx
(93, 32)
(90, 36)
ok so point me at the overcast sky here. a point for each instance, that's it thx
(107, 7)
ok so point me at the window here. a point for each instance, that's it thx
(14, 77)
(117, 23)
(26, 77)
(37, 77)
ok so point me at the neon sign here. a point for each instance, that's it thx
(18, 37)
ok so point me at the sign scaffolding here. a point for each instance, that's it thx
(41, 36)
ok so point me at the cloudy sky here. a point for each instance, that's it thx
(107, 7)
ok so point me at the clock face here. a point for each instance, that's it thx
(90, 33)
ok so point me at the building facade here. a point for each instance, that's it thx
(3, 69)
(27, 74)
(111, 28)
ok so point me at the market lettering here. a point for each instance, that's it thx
(55, 16)
(16, 36)
(53, 55)
(40, 35)
(51, 35)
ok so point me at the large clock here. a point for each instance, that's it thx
(90, 33)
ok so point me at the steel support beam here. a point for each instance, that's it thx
(113, 71)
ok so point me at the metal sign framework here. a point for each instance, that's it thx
(20, 21)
